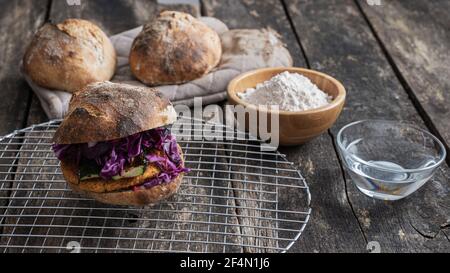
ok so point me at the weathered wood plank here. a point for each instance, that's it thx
(338, 41)
(18, 21)
(417, 38)
(36, 114)
(117, 16)
(334, 229)
(256, 14)
(89, 225)
(47, 216)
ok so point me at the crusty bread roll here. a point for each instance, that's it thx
(174, 48)
(106, 111)
(70, 55)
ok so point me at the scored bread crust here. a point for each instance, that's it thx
(174, 48)
(141, 197)
(69, 55)
(107, 111)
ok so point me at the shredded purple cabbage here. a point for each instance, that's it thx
(113, 156)
(170, 170)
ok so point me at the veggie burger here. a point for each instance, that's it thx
(114, 147)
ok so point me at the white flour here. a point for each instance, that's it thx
(290, 91)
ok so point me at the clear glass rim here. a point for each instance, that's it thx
(442, 150)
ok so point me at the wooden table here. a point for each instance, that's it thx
(393, 60)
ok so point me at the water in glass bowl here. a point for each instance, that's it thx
(387, 185)
(389, 160)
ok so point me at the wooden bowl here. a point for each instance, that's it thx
(294, 127)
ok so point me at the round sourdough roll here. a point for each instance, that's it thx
(174, 48)
(69, 55)
(107, 111)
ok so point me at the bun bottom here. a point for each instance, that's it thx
(141, 197)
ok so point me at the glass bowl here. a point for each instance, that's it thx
(389, 160)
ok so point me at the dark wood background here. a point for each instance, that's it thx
(393, 60)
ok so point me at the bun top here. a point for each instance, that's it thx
(174, 48)
(69, 55)
(107, 111)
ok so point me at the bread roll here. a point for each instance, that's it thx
(70, 55)
(106, 111)
(174, 48)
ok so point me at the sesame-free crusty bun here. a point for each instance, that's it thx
(107, 111)
(174, 48)
(69, 55)
(125, 195)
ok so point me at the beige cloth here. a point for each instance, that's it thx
(243, 50)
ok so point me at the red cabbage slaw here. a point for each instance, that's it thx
(113, 156)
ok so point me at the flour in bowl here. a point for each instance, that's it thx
(290, 91)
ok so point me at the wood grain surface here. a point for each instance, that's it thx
(316, 160)
(416, 38)
(338, 41)
(393, 60)
(112, 21)
(18, 22)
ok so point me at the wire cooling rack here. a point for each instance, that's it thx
(236, 199)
